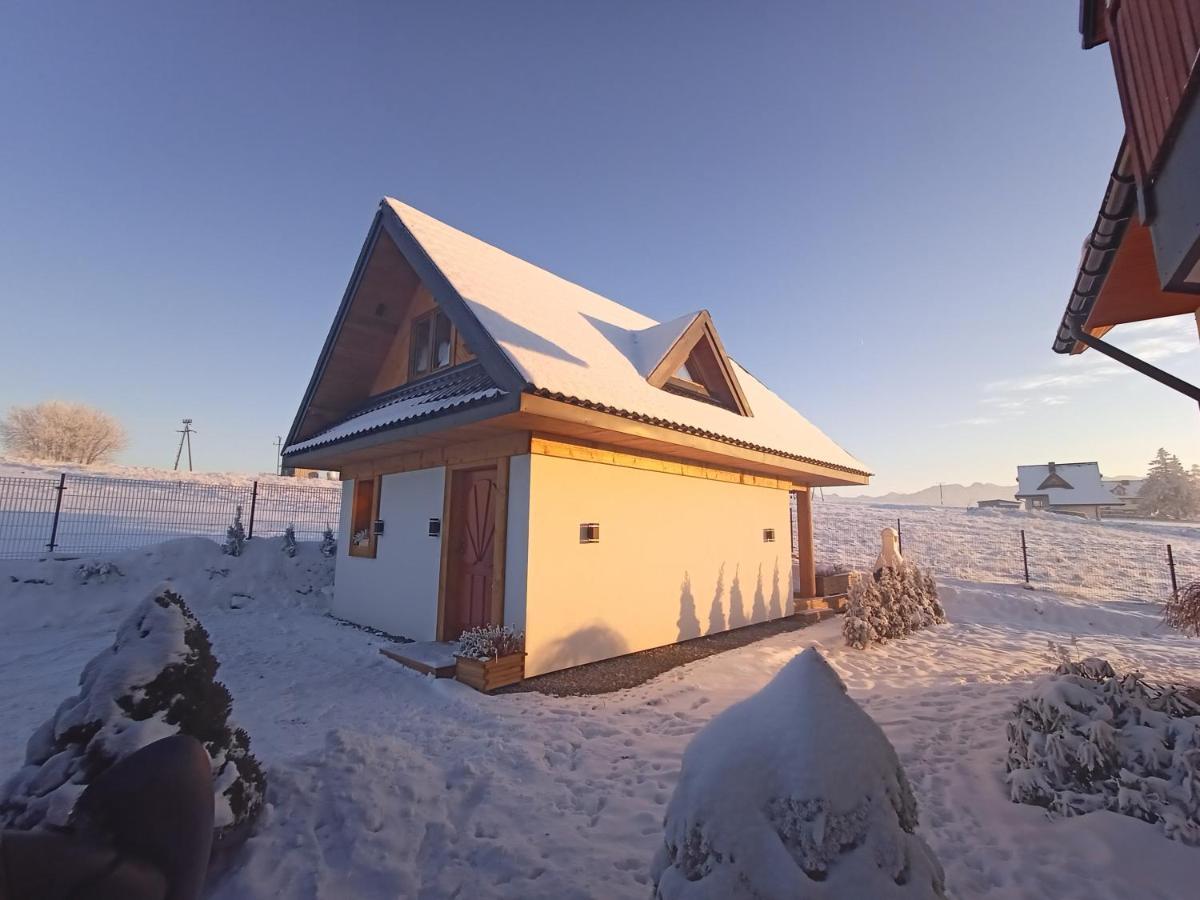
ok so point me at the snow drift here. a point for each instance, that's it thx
(792, 793)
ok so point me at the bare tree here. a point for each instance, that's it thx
(62, 432)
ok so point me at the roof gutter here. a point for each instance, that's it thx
(1100, 249)
(1140, 365)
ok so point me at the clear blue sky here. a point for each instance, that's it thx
(881, 204)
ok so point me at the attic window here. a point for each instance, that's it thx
(696, 366)
(431, 346)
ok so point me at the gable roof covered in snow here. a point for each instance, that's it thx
(1064, 484)
(538, 334)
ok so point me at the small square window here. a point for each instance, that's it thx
(768, 535)
(589, 533)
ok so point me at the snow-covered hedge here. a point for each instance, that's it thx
(156, 680)
(1087, 739)
(894, 602)
(794, 792)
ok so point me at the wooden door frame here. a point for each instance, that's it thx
(499, 539)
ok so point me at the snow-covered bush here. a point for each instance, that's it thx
(328, 543)
(96, 571)
(892, 603)
(490, 642)
(1086, 739)
(289, 540)
(156, 680)
(794, 792)
(235, 536)
(1183, 610)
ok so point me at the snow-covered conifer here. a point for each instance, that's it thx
(891, 603)
(1086, 739)
(289, 540)
(235, 536)
(328, 543)
(794, 792)
(156, 680)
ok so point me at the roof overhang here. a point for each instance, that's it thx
(1118, 278)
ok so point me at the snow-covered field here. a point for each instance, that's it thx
(384, 783)
(1108, 560)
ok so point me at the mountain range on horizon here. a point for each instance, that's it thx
(952, 494)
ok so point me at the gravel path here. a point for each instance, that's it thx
(633, 669)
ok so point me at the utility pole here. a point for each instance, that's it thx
(941, 496)
(278, 454)
(185, 436)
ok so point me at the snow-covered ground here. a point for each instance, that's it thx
(384, 783)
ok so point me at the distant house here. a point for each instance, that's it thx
(516, 449)
(999, 504)
(1074, 488)
(1126, 494)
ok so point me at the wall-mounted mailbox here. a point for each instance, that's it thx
(768, 535)
(435, 528)
(589, 533)
(377, 527)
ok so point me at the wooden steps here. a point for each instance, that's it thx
(434, 658)
(832, 603)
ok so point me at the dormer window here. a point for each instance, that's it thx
(685, 357)
(432, 344)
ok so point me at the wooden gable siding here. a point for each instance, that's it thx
(1154, 50)
(378, 308)
(394, 371)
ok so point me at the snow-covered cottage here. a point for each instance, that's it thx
(1075, 488)
(517, 449)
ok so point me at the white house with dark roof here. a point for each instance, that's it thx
(1064, 487)
(517, 449)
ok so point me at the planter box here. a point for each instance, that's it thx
(828, 585)
(488, 674)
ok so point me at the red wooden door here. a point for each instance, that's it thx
(471, 563)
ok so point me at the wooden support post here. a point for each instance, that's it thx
(806, 586)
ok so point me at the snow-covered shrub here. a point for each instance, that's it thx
(794, 792)
(289, 540)
(892, 603)
(96, 571)
(156, 680)
(235, 536)
(1183, 610)
(490, 642)
(328, 543)
(1086, 739)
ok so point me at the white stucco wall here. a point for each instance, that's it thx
(678, 557)
(397, 590)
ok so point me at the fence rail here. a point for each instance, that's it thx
(96, 514)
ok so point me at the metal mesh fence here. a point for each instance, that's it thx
(93, 514)
(1109, 561)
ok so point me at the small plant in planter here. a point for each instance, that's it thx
(490, 657)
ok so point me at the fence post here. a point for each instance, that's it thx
(253, 503)
(899, 538)
(62, 486)
(1171, 566)
(1025, 556)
